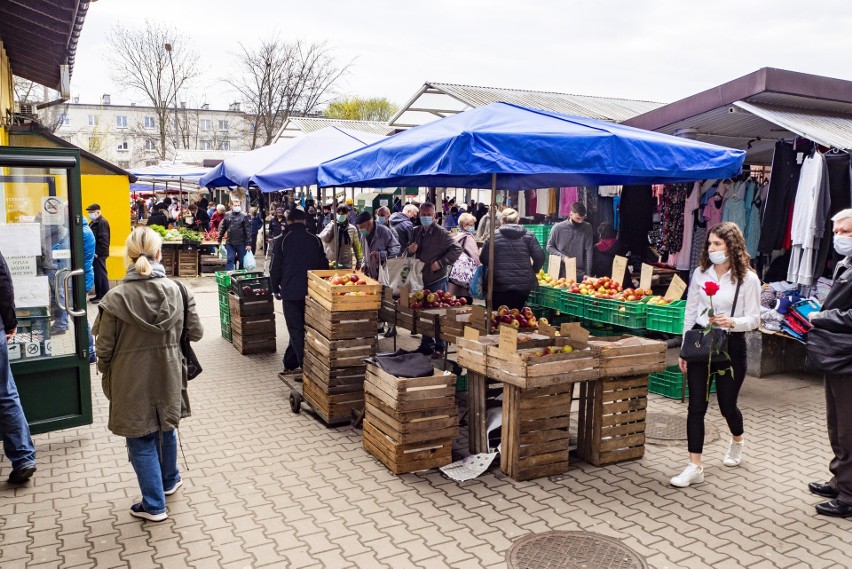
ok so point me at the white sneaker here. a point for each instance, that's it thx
(734, 454)
(692, 474)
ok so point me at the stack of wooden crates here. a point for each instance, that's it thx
(340, 332)
(410, 423)
(252, 314)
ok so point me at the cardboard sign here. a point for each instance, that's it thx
(647, 276)
(404, 295)
(477, 316)
(553, 266)
(676, 288)
(619, 265)
(575, 332)
(570, 268)
(547, 330)
(471, 333)
(508, 338)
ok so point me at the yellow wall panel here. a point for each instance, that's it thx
(112, 193)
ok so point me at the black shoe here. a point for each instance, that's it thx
(21, 475)
(95, 301)
(391, 332)
(825, 490)
(57, 330)
(835, 508)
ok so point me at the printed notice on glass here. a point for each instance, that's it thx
(20, 240)
(31, 291)
(22, 266)
(52, 211)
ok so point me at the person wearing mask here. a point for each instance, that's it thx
(605, 251)
(351, 211)
(276, 224)
(237, 226)
(100, 227)
(574, 238)
(402, 223)
(835, 316)
(189, 220)
(340, 241)
(517, 258)
(466, 240)
(378, 243)
(217, 217)
(434, 246)
(15, 430)
(452, 219)
(326, 217)
(138, 331)
(256, 226)
(200, 213)
(723, 266)
(293, 255)
(158, 217)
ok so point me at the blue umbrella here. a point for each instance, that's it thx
(528, 149)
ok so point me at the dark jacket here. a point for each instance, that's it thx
(203, 219)
(435, 245)
(100, 227)
(7, 298)
(404, 229)
(158, 218)
(514, 246)
(256, 226)
(275, 227)
(294, 254)
(836, 312)
(238, 227)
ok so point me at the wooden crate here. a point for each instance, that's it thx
(482, 394)
(472, 353)
(212, 263)
(411, 393)
(612, 420)
(409, 457)
(249, 306)
(535, 431)
(333, 298)
(525, 369)
(261, 324)
(187, 262)
(412, 426)
(452, 323)
(168, 260)
(333, 380)
(387, 309)
(340, 325)
(626, 356)
(253, 344)
(333, 408)
(340, 353)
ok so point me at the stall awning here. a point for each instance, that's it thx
(828, 129)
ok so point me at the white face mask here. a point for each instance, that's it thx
(236, 209)
(717, 257)
(843, 245)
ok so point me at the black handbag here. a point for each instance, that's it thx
(193, 367)
(828, 353)
(700, 346)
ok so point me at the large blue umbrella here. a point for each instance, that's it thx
(528, 149)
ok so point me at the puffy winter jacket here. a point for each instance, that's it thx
(514, 246)
(404, 229)
(88, 254)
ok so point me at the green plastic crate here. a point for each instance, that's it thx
(549, 297)
(573, 304)
(461, 383)
(620, 313)
(226, 331)
(668, 318)
(532, 299)
(224, 315)
(669, 383)
(223, 278)
(541, 233)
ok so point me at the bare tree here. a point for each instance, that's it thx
(140, 62)
(280, 79)
(27, 91)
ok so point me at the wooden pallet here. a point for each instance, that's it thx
(387, 309)
(340, 353)
(253, 344)
(612, 420)
(261, 324)
(409, 457)
(340, 325)
(411, 393)
(250, 306)
(535, 431)
(333, 380)
(333, 408)
(330, 296)
(482, 393)
(523, 368)
(627, 356)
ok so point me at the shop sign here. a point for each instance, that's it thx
(383, 203)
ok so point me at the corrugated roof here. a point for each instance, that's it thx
(435, 100)
(828, 129)
(312, 124)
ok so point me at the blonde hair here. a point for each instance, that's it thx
(220, 208)
(509, 215)
(143, 247)
(466, 220)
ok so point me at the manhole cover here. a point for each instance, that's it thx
(664, 428)
(572, 550)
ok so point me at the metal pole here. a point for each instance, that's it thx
(492, 216)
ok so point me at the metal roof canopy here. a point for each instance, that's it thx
(297, 126)
(434, 101)
(754, 111)
(40, 36)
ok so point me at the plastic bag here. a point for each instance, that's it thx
(478, 282)
(249, 262)
(223, 253)
(405, 271)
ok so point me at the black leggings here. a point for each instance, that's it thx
(727, 391)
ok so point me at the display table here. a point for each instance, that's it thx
(770, 353)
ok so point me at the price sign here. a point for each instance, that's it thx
(647, 277)
(553, 266)
(676, 288)
(547, 330)
(508, 338)
(471, 333)
(619, 265)
(570, 268)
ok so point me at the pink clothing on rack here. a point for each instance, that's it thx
(567, 198)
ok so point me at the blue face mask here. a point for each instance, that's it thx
(364, 232)
(381, 221)
(426, 221)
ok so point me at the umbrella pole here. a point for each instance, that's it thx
(492, 215)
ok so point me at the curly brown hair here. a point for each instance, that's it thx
(734, 240)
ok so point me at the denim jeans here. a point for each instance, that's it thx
(428, 342)
(235, 255)
(156, 467)
(17, 442)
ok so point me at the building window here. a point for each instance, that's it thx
(121, 121)
(122, 146)
(223, 125)
(94, 144)
(224, 145)
(150, 122)
(206, 124)
(124, 164)
(93, 120)
(206, 145)
(150, 145)
(251, 128)
(64, 120)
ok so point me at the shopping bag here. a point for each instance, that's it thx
(404, 272)
(223, 253)
(249, 262)
(478, 282)
(463, 270)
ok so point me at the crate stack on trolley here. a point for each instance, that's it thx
(341, 323)
(246, 312)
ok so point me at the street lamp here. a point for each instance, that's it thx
(168, 47)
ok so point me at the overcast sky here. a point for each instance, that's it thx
(651, 50)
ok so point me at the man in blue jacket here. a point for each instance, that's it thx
(89, 243)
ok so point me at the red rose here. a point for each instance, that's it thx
(710, 288)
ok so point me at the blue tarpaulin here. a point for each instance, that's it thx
(527, 149)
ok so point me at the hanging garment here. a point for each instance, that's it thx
(522, 204)
(638, 202)
(616, 203)
(671, 214)
(810, 212)
(542, 205)
(609, 191)
(553, 206)
(840, 189)
(567, 198)
(779, 197)
(683, 260)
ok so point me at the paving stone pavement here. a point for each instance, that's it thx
(265, 487)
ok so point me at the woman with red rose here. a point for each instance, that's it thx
(724, 264)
